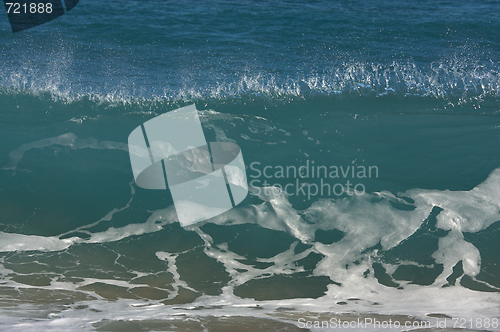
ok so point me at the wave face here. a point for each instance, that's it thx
(370, 134)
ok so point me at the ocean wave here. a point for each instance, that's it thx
(455, 79)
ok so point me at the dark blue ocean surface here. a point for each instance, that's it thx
(190, 49)
(396, 99)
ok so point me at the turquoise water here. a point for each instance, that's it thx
(408, 91)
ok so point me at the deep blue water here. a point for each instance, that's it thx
(411, 89)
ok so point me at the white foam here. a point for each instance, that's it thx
(154, 223)
(20, 242)
(365, 220)
(466, 211)
(69, 140)
(172, 268)
(452, 249)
